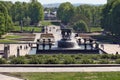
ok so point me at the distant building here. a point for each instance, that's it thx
(50, 15)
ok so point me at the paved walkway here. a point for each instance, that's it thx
(59, 69)
(111, 48)
(4, 77)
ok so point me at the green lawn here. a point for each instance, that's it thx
(45, 23)
(12, 37)
(95, 29)
(27, 28)
(7, 41)
(69, 76)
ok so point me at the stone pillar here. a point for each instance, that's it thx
(85, 45)
(37, 44)
(43, 44)
(49, 43)
(96, 45)
(91, 43)
(18, 51)
(6, 51)
(79, 41)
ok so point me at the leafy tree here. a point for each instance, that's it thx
(36, 12)
(65, 12)
(92, 13)
(110, 17)
(80, 26)
(2, 24)
(26, 21)
(5, 20)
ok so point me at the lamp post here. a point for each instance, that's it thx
(21, 25)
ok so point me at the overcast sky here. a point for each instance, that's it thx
(60, 1)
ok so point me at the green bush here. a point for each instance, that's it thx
(115, 56)
(52, 60)
(69, 60)
(87, 61)
(80, 26)
(117, 61)
(3, 61)
(35, 60)
(18, 60)
(103, 62)
(105, 56)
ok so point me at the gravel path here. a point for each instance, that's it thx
(111, 48)
(4, 77)
(59, 69)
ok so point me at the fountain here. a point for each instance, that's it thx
(50, 43)
(67, 40)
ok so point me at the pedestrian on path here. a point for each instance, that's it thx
(116, 52)
(102, 46)
(119, 45)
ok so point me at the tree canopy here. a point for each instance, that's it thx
(5, 19)
(36, 12)
(65, 12)
(80, 26)
(111, 17)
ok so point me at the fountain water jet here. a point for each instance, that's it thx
(68, 40)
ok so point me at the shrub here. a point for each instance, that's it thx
(3, 61)
(86, 61)
(69, 60)
(18, 60)
(117, 61)
(80, 26)
(103, 62)
(35, 60)
(117, 56)
(105, 56)
(52, 60)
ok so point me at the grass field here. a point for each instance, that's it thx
(7, 41)
(27, 28)
(69, 76)
(12, 37)
(95, 29)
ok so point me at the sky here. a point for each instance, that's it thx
(60, 1)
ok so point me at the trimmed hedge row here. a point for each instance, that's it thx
(64, 59)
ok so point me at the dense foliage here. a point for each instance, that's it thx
(5, 19)
(111, 17)
(65, 59)
(19, 13)
(91, 15)
(80, 26)
(65, 12)
(27, 13)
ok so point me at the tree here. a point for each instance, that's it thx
(80, 26)
(92, 13)
(65, 12)
(2, 24)
(110, 17)
(26, 21)
(5, 20)
(36, 12)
